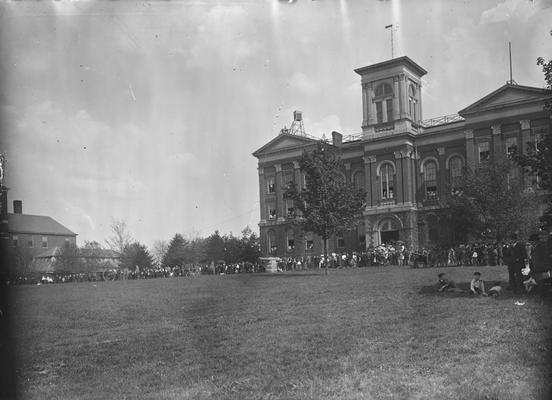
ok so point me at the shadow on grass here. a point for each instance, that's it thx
(284, 274)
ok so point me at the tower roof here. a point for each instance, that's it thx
(384, 65)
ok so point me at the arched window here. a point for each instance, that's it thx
(384, 103)
(271, 239)
(386, 174)
(340, 176)
(430, 180)
(358, 180)
(412, 101)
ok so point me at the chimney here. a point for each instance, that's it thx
(17, 207)
(337, 139)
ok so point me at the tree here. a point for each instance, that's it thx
(232, 248)
(136, 255)
(18, 260)
(250, 246)
(175, 255)
(120, 238)
(491, 204)
(68, 259)
(538, 158)
(328, 204)
(159, 250)
(92, 244)
(214, 247)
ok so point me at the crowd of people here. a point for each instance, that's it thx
(513, 253)
(188, 270)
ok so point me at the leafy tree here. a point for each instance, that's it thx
(176, 252)
(68, 259)
(196, 250)
(159, 250)
(92, 244)
(136, 255)
(491, 204)
(120, 238)
(232, 248)
(328, 204)
(250, 246)
(214, 247)
(91, 256)
(18, 260)
(538, 158)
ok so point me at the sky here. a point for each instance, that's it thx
(148, 112)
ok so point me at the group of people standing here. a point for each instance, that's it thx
(529, 268)
(529, 262)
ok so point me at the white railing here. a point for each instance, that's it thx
(447, 119)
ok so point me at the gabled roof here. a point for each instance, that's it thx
(505, 96)
(36, 224)
(99, 253)
(285, 141)
(84, 253)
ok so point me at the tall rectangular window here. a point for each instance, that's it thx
(15, 240)
(288, 178)
(511, 146)
(379, 112)
(389, 105)
(484, 153)
(290, 208)
(387, 173)
(270, 185)
(271, 210)
(430, 180)
(45, 242)
(30, 242)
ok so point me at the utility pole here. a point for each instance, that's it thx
(392, 41)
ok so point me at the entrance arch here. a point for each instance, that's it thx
(389, 230)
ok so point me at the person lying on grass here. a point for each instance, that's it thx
(476, 285)
(495, 290)
(447, 285)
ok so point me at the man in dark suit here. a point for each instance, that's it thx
(517, 254)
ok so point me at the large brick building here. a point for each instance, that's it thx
(404, 163)
(36, 233)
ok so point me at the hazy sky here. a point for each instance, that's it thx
(149, 112)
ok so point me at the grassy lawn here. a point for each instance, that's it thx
(356, 334)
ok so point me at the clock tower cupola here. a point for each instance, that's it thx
(391, 96)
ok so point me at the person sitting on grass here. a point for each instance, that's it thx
(495, 290)
(529, 284)
(476, 285)
(447, 285)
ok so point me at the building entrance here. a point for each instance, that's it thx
(389, 236)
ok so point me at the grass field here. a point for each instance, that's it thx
(356, 334)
